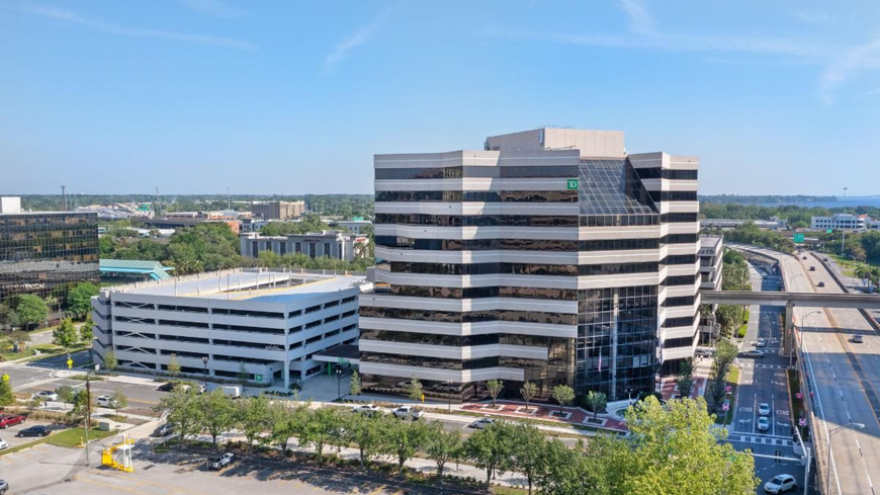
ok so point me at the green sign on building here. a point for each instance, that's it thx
(259, 378)
(829, 231)
(572, 184)
(799, 238)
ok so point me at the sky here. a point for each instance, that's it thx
(292, 97)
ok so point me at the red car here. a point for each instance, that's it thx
(7, 421)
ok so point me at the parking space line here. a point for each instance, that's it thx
(112, 487)
(377, 490)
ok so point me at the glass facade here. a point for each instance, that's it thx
(47, 253)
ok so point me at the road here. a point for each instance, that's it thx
(763, 380)
(845, 377)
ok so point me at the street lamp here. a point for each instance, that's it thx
(859, 426)
(205, 363)
(629, 392)
(339, 382)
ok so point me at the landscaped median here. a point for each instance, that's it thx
(70, 438)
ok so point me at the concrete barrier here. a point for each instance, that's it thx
(871, 320)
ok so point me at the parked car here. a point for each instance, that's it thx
(218, 463)
(10, 420)
(163, 430)
(824, 259)
(106, 401)
(812, 268)
(781, 483)
(764, 409)
(761, 343)
(46, 395)
(408, 412)
(753, 354)
(3, 444)
(763, 423)
(35, 431)
(4, 486)
(482, 423)
(805, 257)
(368, 409)
(231, 391)
(858, 339)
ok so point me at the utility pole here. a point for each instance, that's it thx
(228, 200)
(843, 242)
(64, 197)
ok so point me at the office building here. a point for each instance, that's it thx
(265, 325)
(551, 256)
(354, 226)
(325, 243)
(711, 275)
(278, 210)
(841, 221)
(45, 253)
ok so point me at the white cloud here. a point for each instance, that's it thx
(813, 16)
(364, 34)
(639, 18)
(68, 17)
(212, 7)
(847, 64)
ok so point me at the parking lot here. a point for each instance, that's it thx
(9, 434)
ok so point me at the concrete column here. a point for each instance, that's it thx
(788, 331)
(286, 373)
(613, 364)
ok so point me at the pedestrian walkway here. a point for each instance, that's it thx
(569, 415)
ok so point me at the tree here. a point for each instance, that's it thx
(173, 366)
(118, 400)
(442, 446)
(491, 449)
(288, 423)
(28, 311)
(596, 402)
(367, 433)
(728, 316)
(563, 394)
(414, 390)
(110, 360)
(183, 410)
(685, 377)
(494, 387)
(51, 302)
(528, 391)
(66, 394)
(679, 446)
(66, 334)
(403, 439)
(529, 449)
(83, 402)
(6, 396)
(79, 299)
(85, 330)
(318, 428)
(254, 416)
(242, 373)
(218, 413)
(354, 387)
(725, 353)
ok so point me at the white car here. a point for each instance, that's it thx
(781, 483)
(482, 423)
(408, 412)
(761, 343)
(46, 395)
(106, 401)
(3, 444)
(224, 460)
(368, 409)
(764, 409)
(763, 424)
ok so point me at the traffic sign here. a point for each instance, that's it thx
(572, 184)
(728, 389)
(725, 407)
(829, 231)
(799, 238)
(5, 378)
(802, 422)
(69, 363)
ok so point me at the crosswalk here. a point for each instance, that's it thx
(760, 439)
(765, 366)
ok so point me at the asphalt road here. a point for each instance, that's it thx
(763, 380)
(845, 377)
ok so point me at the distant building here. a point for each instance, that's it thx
(264, 325)
(774, 223)
(329, 243)
(186, 219)
(354, 226)
(278, 210)
(45, 253)
(841, 221)
(711, 273)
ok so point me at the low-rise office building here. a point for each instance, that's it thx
(326, 243)
(46, 253)
(264, 326)
(278, 210)
(840, 221)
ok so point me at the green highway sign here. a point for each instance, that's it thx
(799, 238)
(829, 231)
(572, 184)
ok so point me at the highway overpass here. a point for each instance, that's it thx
(800, 299)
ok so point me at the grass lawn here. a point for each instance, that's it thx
(847, 267)
(68, 438)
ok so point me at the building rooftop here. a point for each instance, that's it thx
(153, 269)
(709, 241)
(248, 284)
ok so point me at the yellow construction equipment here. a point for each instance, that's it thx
(118, 454)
